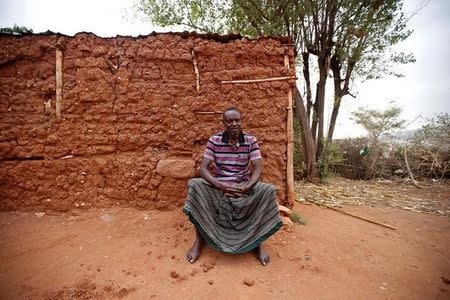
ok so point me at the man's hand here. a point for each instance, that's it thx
(225, 187)
(237, 190)
(233, 190)
(229, 189)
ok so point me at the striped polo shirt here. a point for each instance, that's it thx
(232, 163)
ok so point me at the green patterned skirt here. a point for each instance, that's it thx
(232, 225)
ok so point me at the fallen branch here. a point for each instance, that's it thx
(346, 165)
(259, 80)
(409, 170)
(352, 215)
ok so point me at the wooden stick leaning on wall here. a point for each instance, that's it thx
(259, 80)
(59, 81)
(290, 143)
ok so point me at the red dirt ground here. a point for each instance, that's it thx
(132, 254)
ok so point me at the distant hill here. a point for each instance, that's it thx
(400, 136)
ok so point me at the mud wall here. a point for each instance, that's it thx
(133, 124)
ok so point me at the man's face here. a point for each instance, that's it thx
(232, 122)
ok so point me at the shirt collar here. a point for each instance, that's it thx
(226, 137)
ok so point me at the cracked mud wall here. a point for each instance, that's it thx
(133, 125)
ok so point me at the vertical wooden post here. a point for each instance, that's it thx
(59, 81)
(290, 144)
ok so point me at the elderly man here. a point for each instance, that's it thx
(230, 209)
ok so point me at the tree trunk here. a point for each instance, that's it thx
(320, 104)
(414, 182)
(315, 119)
(326, 44)
(334, 114)
(308, 146)
(305, 56)
(338, 94)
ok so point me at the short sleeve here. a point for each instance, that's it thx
(209, 151)
(254, 150)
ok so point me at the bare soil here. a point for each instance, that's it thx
(134, 254)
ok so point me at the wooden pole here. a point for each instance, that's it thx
(290, 143)
(259, 80)
(59, 81)
(352, 215)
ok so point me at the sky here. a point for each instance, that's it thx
(422, 93)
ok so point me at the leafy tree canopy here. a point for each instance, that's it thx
(16, 30)
(378, 122)
(362, 37)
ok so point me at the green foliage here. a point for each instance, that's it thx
(201, 15)
(16, 30)
(297, 218)
(378, 122)
(364, 30)
(331, 155)
(369, 38)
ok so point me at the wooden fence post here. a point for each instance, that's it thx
(290, 144)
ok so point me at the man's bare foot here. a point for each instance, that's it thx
(194, 252)
(262, 256)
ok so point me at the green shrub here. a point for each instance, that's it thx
(296, 218)
(332, 154)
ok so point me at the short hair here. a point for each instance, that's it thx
(232, 108)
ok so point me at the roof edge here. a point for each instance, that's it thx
(184, 34)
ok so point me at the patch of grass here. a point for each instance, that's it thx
(296, 218)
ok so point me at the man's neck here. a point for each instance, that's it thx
(233, 139)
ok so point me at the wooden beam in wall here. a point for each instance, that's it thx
(259, 80)
(59, 81)
(197, 74)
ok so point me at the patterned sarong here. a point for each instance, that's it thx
(232, 225)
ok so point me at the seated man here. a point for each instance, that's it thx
(231, 210)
